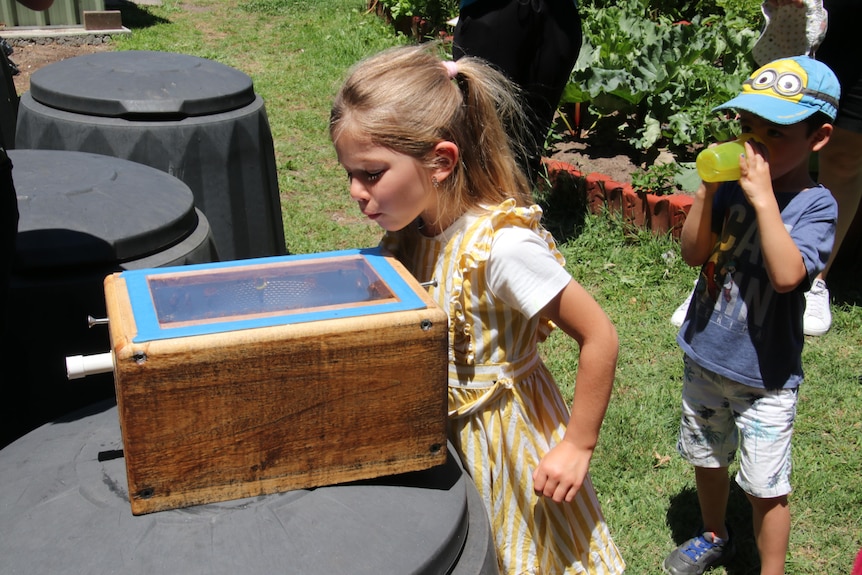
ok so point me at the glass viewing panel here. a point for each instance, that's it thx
(265, 290)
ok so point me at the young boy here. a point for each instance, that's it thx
(760, 242)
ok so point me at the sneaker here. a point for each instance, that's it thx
(817, 318)
(698, 554)
(679, 315)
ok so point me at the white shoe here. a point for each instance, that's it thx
(679, 315)
(817, 318)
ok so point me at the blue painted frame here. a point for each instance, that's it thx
(149, 329)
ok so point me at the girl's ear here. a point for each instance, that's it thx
(821, 137)
(446, 156)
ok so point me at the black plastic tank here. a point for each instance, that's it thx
(64, 508)
(190, 117)
(82, 217)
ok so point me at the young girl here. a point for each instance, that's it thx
(428, 159)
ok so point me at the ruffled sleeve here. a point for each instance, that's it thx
(480, 238)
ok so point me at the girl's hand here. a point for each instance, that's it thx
(561, 472)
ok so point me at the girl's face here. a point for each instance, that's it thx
(392, 189)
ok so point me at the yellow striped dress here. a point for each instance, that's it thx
(505, 410)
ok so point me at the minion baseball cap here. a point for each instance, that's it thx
(789, 90)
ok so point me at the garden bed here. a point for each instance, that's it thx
(606, 164)
(661, 214)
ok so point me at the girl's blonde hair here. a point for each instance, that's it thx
(404, 99)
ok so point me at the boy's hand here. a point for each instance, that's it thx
(755, 178)
(561, 472)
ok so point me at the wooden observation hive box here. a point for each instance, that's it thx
(258, 376)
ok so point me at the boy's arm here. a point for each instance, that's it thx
(697, 238)
(562, 470)
(781, 257)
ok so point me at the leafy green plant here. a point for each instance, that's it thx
(425, 17)
(661, 76)
(658, 179)
(688, 9)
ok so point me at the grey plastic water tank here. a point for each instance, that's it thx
(82, 217)
(193, 118)
(64, 509)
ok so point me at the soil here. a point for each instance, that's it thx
(31, 57)
(595, 145)
(590, 154)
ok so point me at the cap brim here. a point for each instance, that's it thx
(769, 108)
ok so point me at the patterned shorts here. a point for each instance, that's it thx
(721, 416)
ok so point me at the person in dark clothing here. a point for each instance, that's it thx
(533, 42)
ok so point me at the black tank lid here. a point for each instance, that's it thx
(78, 208)
(140, 84)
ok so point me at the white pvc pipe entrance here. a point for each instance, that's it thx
(78, 366)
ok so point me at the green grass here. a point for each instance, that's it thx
(298, 51)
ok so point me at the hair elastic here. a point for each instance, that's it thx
(451, 68)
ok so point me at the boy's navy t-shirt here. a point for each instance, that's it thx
(737, 325)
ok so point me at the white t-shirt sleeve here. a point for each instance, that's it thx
(522, 271)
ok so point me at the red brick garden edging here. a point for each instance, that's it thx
(660, 214)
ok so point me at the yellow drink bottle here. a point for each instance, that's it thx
(721, 163)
